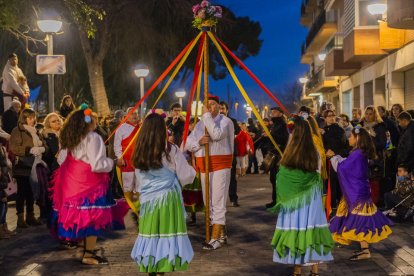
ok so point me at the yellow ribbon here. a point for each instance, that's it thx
(177, 69)
(243, 92)
(128, 199)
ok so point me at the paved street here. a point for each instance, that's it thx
(33, 252)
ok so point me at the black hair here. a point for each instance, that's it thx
(175, 105)
(405, 167)
(304, 108)
(225, 104)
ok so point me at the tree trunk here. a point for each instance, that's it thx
(96, 81)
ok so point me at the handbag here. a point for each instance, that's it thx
(267, 162)
(25, 162)
(11, 186)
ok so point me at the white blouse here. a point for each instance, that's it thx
(91, 150)
(178, 165)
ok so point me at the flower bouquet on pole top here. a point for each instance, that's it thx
(206, 15)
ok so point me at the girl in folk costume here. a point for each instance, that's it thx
(82, 201)
(162, 244)
(357, 217)
(302, 237)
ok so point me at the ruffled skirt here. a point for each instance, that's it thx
(302, 236)
(363, 223)
(193, 196)
(163, 244)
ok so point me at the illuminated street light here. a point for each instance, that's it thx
(180, 94)
(303, 80)
(50, 27)
(377, 8)
(322, 56)
(142, 72)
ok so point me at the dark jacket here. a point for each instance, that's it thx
(279, 133)
(177, 130)
(392, 128)
(406, 147)
(334, 139)
(65, 111)
(52, 142)
(9, 120)
(4, 170)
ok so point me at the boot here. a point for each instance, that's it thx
(6, 229)
(31, 220)
(223, 234)
(3, 234)
(21, 223)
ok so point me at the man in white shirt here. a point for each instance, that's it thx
(123, 137)
(11, 87)
(220, 137)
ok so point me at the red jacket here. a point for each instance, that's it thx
(244, 144)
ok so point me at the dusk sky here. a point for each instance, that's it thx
(278, 61)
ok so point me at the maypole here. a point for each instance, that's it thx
(206, 150)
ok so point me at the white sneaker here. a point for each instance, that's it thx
(212, 245)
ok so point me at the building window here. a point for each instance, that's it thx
(365, 18)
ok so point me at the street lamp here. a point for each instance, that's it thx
(303, 80)
(180, 94)
(50, 27)
(142, 72)
(322, 56)
(377, 7)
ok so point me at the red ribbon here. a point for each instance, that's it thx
(253, 76)
(197, 70)
(149, 91)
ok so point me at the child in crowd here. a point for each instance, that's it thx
(82, 199)
(403, 193)
(302, 236)
(162, 244)
(357, 218)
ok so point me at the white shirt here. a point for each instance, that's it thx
(10, 76)
(221, 131)
(179, 166)
(124, 131)
(91, 150)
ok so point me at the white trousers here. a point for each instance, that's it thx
(241, 162)
(129, 181)
(219, 190)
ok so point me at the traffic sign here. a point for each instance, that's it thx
(50, 64)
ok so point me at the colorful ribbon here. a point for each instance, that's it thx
(253, 76)
(243, 92)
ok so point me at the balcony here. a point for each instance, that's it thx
(391, 38)
(305, 58)
(335, 65)
(400, 14)
(319, 83)
(363, 45)
(324, 27)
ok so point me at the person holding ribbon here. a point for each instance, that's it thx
(161, 169)
(357, 218)
(220, 137)
(82, 201)
(123, 138)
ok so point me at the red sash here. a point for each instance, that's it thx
(128, 154)
(217, 162)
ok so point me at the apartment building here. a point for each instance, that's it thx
(357, 58)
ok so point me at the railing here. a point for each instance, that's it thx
(335, 43)
(323, 18)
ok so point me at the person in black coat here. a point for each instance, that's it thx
(11, 116)
(280, 134)
(406, 145)
(335, 143)
(373, 123)
(66, 106)
(176, 123)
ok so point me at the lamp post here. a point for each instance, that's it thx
(142, 72)
(180, 94)
(50, 27)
